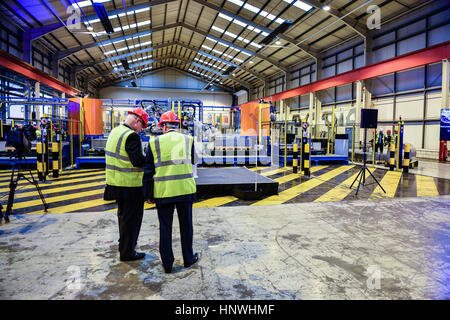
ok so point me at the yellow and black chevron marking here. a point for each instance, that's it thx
(82, 190)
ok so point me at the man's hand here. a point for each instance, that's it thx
(150, 201)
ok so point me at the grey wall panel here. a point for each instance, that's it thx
(411, 79)
(344, 66)
(434, 75)
(344, 92)
(383, 53)
(439, 35)
(383, 85)
(411, 44)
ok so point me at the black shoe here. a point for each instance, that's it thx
(187, 265)
(136, 256)
(167, 270)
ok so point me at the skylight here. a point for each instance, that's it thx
(134, 25)
(227, 46)
(202, 74)
(129, 47)
(115, 16)
(300, 5)
(234, 36)
(254, 9)
(133, 60)
(209, 64)
(86, 3)
(221, 53)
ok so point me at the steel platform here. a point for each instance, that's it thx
(234, 181)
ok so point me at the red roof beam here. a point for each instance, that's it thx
(17, 65)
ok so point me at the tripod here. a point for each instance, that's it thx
(362, 172)
(13, 185)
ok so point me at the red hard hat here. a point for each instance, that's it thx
(389, 131)
(141, 114)
(168, 117)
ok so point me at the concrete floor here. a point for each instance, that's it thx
(385, 249)
(432, 168)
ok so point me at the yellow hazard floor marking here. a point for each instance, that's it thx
(60, 178)
(73, 207)
(426, 187)
(58, 198)
(58, 190)
(341, 191)
(4, 174)
(220, 201)
(389, 183)
(56, 182)
(215, 202)
(302, 187)
(293, 176)
(272, 172)
(262, 168)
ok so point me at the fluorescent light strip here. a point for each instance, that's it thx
(129, 47)
(234, 36)
(208, 63)
(257, 10)
(242, 24)
(86, 3)
(119, 41)
(225, 45)
(221, 53)
(134, 60)
(135, 25)
(115, 16)
(203, 74)
(300, 5)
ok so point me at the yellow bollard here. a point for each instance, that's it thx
(295, 159)
(406, 158)
(392, 157)
(306, 171)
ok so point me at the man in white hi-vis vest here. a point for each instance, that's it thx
(169, 183)
(124, 172)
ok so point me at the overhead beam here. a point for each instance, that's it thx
(143, 64)
(149, 72)
(164, 45)
(120, 11)
(341, 15)
(250, 52)
(18, 65)
(406, 61)
(66, 53)
(305, 48)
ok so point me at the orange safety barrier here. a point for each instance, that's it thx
(92, 116)
(250, 118)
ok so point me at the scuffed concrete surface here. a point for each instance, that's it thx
(387, 249)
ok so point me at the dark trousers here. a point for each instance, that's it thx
(129, 215)
(165, 216)
(379, 146)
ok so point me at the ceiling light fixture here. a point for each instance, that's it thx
(326, 7)
(229, 70)
(125, 64)
(278, 30)
(103, 16)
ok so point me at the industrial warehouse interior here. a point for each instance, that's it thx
(314, 135)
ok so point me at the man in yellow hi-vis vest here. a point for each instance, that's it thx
(169, 182)
(124, 162)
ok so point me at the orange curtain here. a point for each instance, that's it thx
(250, 118)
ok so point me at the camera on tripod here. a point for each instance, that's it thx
(20, 138)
